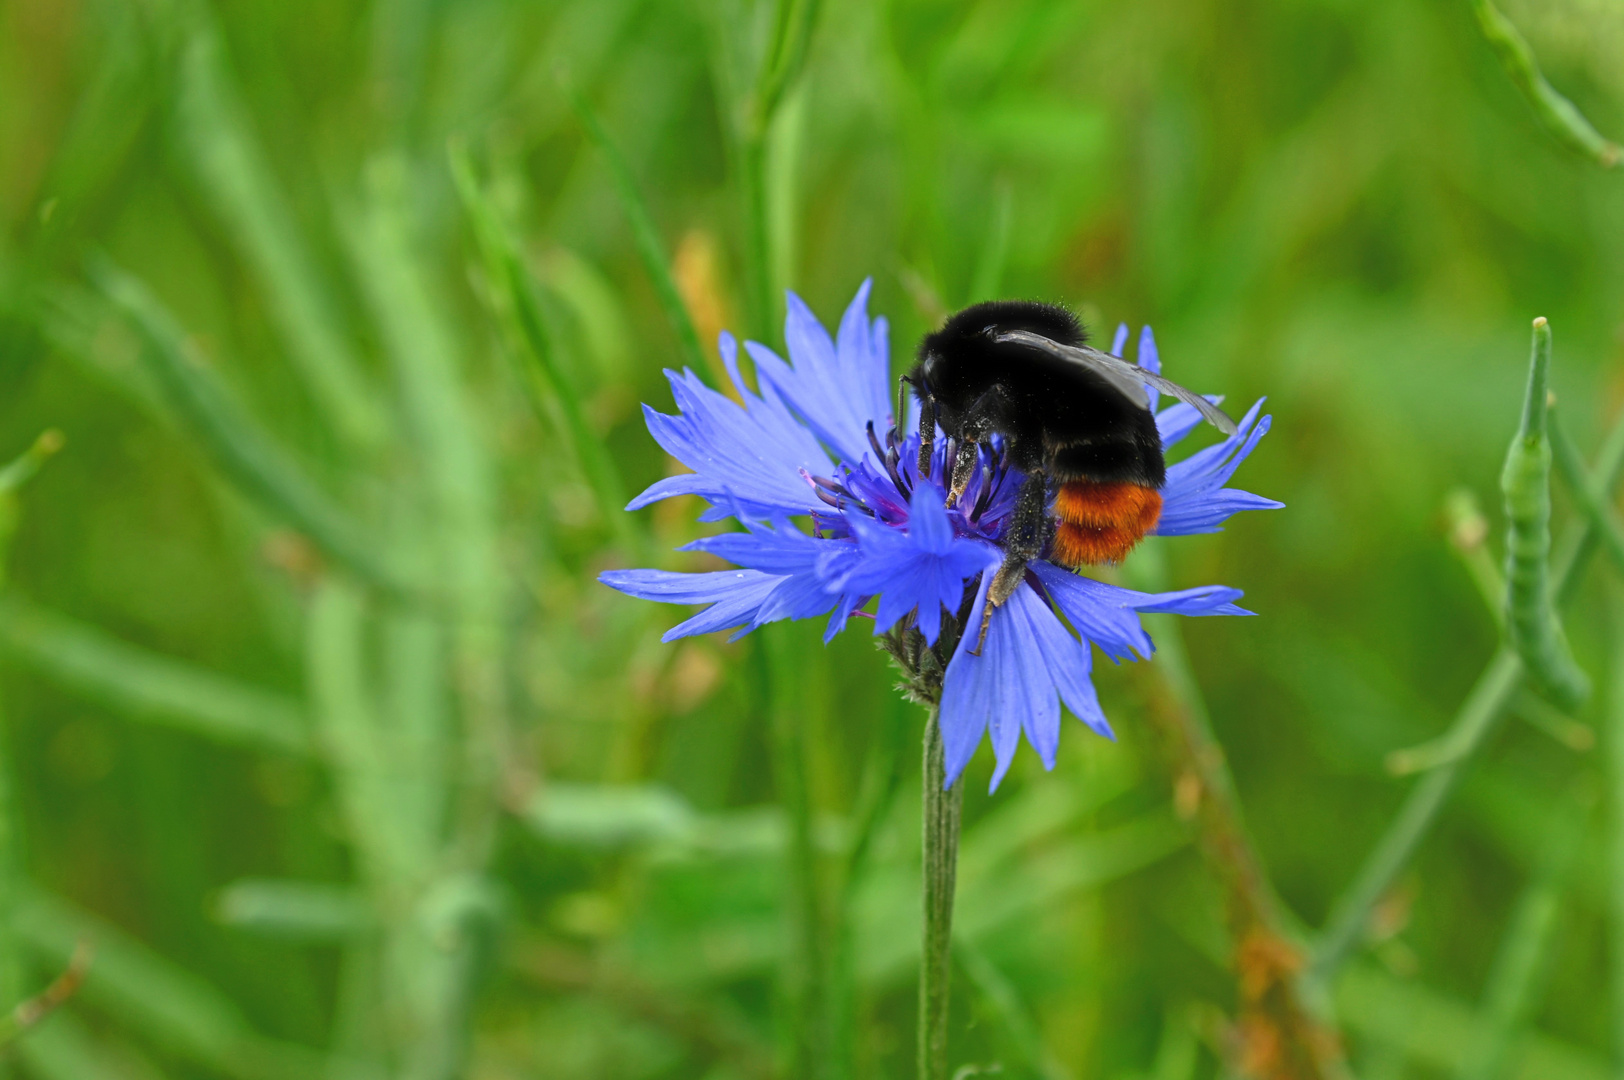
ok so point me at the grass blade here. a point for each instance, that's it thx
(1438, 1032)
(341, 699)
(1614, 742)
(236, 444)
(65, 1049)
(170, 1006)
(1603, 518)
(1514, 981)
(530, 343)
(146, 686)
(989, 269)
(647, 237)
(1476, 717)
(1022, 1029)
(240, 187)
(457, 475)
(296, 910)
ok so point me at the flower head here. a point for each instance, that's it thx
(817, 440)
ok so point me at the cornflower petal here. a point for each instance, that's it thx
(1151, 360)
(1101, 613)
(837, 386)
(1108, 615)
(734, 595)
(1028, 665)
(1194, 499)
(1176, 421)
(921, 569)
(750, 455)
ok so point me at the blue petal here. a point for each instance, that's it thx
(1028, 664)
(920, 569)
(1101, 613)
(786, 550)
(749, 455)
(1176, 421)
(1120, 339)
(1194, 499)
(1108, 615)
(1151, 360)
(1148, 357)
(735, 595)
(1202, 600)
(837, 386)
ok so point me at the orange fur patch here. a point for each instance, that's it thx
(1102, 522)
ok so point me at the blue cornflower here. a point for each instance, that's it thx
(808, 444)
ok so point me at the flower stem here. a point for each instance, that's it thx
(939, 812)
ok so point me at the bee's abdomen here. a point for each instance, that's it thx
(1101, 523)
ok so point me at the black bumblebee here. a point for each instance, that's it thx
(1067, 413)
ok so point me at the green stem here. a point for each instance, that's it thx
(646, 236)
(1559, 115)
(803, 984)
(752, 154)
(1516, 982)
(1593, 503)
(939, 811)
(1476, 718)
(1615, 788)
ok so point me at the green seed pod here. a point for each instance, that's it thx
(1535, 631)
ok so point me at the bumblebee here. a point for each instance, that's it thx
(1070, 416)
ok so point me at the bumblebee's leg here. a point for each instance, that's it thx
(977, 425)
(927, 428)
(1023, 542)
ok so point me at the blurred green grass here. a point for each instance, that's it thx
(224, 747)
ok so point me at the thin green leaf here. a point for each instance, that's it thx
(531, 344)
(236, 444)
(646, 236)
(1439, 1032)
(1475, 719)
(346, 716)
(1614, 739)
(64, 1048)
(146, 686)
(458, 476)
(298, 910)
(989, 268)
(1005, 1000)
(1592, 502)
(25, 466)
(789, 40)
(173, 1008)
(1559, 115)
(241, 189)
(1515, 981)
(1468, 535)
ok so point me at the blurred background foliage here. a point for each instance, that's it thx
(317, 725)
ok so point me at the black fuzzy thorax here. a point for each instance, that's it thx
(1052, 413)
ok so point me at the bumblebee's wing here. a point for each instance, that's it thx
(1128, 379)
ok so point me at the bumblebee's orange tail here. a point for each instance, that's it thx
(1102, 522)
